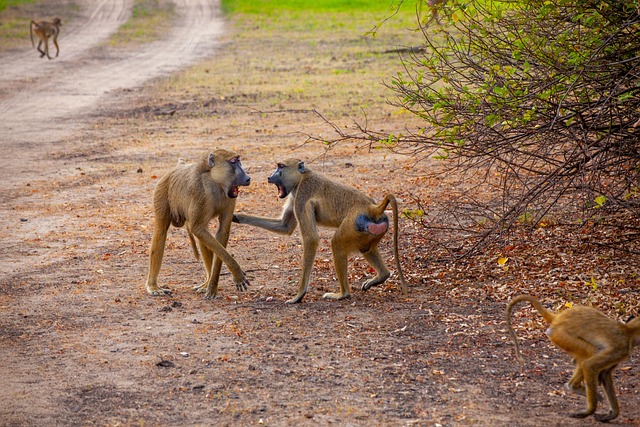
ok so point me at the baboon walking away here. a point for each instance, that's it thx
(312, 200)
(191, 195)
(596, 343)
(44, 30)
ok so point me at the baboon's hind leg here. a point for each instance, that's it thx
(374, 259)
(207, 260)
(155, 258)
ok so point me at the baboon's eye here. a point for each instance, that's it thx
(280, 166)
(234, 160)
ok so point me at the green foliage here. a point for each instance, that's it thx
(8, 3)
(545, 94)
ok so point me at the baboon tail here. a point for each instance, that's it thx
(379, 209)
(31, 32)
(389, 198)
(194, 246)
(546, 315)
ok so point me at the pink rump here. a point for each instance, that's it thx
(377, 228)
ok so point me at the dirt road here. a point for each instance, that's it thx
(42, 101)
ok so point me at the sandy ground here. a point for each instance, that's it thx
(81, 343)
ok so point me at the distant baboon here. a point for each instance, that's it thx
(316, 200)
(44, 30)
(596, 343)
(191, 195)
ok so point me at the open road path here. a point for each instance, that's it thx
(42, 101)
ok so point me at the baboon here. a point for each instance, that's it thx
(596, 343)
(44, 30)
(191, 195)
(312, 200)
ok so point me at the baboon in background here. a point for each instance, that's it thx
(315, 200)
(191, 195)
(596, 343)
(44, 30)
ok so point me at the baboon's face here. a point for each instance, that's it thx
(240, 177)
(287, 176)
(226, 169)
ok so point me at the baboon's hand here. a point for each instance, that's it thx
(242, 285)
(235, 219)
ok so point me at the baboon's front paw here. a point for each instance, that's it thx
(158, 291)
(211, 295)
(336, 296)
(242, 285)
(204, 289)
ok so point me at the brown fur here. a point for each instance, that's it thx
(191, 195)
(313, 200)
(596, 343)
(44, 30)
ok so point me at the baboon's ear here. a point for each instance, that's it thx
(211, 160)
(301, 167)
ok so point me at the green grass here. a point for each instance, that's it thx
(270, 7)
(279, 57)
(8, 3)
(150, 19)
(323, 15)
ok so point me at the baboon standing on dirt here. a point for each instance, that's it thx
(596, 343)
(313, 200)
(191, 195)
(44, 30)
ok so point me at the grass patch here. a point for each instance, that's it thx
(270, 6)
(312, 15)
(300, 59)
(150, 20)
(4, 4)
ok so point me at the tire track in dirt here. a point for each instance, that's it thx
(46, 101)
